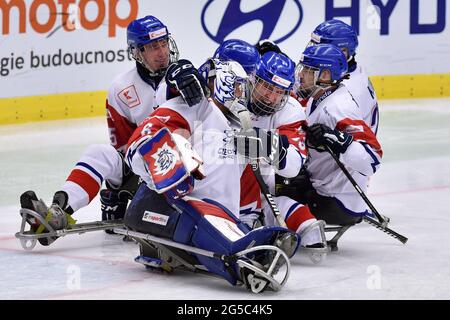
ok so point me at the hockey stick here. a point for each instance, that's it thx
(382, 222)
(246, 123)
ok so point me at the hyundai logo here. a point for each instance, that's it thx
(220, 18)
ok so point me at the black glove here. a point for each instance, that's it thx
(261, 144)
(265, 46)
(319, 135)
(183, 76)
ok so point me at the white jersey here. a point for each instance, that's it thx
(288, 122)
(338, 110)
(362, 91)
(211, 137)
(130, 101)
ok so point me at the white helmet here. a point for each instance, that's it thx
(230, 85)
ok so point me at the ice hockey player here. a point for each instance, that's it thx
(343, 36)
(157, 76)
(191, 192)
(335, 122)
(274, 111)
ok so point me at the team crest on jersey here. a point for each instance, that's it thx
(165, 159)
(129, 96)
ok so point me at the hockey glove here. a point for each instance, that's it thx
(318, 136)
(259, 144)
(184, 77)
(265, 46)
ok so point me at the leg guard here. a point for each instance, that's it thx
(150, 213)
(217, 230)
(250, 257)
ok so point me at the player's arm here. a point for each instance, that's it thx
(364, 154)
(296, 152)
(120, 127)
(352, 140)
(160, 154)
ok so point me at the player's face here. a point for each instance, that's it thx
(267, 93)
(156, 54)
(306, 77)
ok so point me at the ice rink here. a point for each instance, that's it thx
(412, 188)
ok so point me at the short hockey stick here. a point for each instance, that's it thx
(382, 223)
(246, 123)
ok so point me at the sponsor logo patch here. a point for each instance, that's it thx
(157, 34)
(282, 82)
(156, 218)
(129, 96)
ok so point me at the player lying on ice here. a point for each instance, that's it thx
(190, 200)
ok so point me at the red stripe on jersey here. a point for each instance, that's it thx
(250, 190)
(85, 181)
(295, 135)
(162, 118)
(297, 217)
(302, 101)
(205, 209)
(360, 132)
(120, 128)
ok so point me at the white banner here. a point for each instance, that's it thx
(61, 46)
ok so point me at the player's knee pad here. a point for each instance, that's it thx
(150, 213)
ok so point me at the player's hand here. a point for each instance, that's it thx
(260, 144)
(184, 77)
(320, 136)
(265, 46)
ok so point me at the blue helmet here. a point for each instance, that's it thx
(326, 57)
(147, 30)
(240, 51)
(271, 83)
(319, 58)
(338, 33)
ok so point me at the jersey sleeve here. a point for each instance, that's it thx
(296, 153)
(290, 125)
(120, 125)
(365, 153)
(161, 118)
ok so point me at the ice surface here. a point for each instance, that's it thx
(412, 188)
